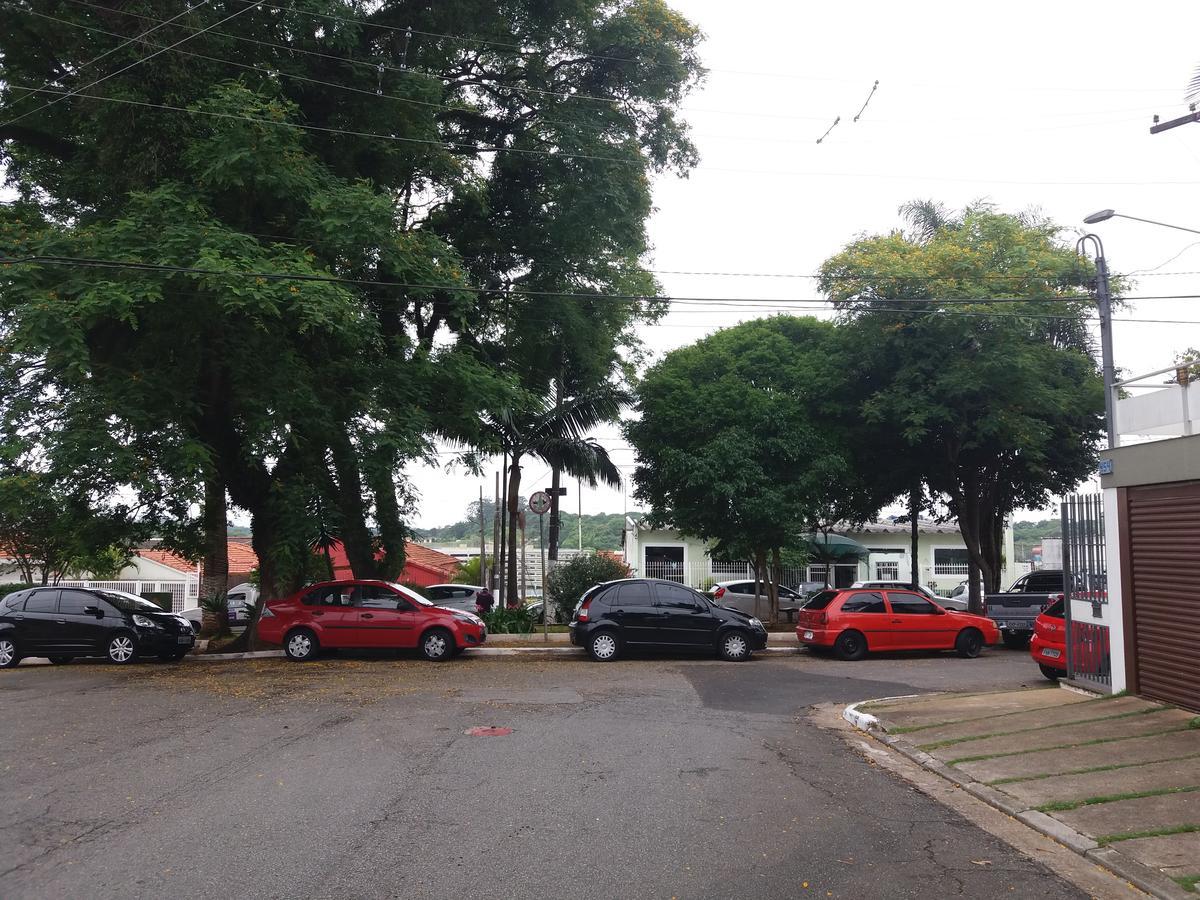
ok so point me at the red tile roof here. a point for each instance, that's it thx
(167, 558)
(242, 557)
(428, 558)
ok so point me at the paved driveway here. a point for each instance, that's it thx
(654, 777)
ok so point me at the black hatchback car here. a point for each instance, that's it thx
(651, 612)
(62, 623)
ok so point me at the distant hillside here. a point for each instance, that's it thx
(601, 531)
(1027, 535)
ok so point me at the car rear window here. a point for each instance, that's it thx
(1055, 610)
(821, 600)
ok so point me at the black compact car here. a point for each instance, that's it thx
(655, 613)
(62, 623)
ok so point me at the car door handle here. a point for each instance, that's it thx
(368, 616)
(19, 618)
(60, 621)
(897, 621)
(317, 612)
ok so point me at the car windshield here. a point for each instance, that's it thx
(821, 600)
(412, 595)
(130, 602)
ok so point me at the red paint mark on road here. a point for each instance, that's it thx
(487, 731)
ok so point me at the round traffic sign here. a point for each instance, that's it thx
(539, 502)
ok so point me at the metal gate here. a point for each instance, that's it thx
(1085, 586)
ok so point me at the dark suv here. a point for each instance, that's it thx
(62, 623)
(653, 612)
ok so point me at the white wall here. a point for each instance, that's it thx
(1113, 612)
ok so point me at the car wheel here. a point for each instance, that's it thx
(604, 646)
(301, 645)
(735, 646)
(1051, 673)
(61, 660)
(121, 648)
(437, 645)
(1016, 641)
(969, 643)
(9, 656)
(850, 645)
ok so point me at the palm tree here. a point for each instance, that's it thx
(555, 433)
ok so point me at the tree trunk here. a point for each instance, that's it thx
(214, 567)
(914, 512)
(348, 491)
(514, 486)
(392, 533)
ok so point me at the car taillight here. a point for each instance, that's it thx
(719, 593)
(583, 609)
(822, 618)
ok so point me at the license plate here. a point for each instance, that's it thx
(808, 635)
(1052, 654)
(184, 639)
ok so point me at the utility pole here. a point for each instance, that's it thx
(555, 491)
(504, 527)
(1104, 305)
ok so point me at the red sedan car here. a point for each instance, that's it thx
(852, 621)
(366, 614)
(1048, 646)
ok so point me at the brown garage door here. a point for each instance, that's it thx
(1164, 557)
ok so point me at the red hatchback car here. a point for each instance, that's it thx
(367, 614)
(851, 622)
(1048, 646)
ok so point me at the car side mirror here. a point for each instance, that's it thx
(93, 611)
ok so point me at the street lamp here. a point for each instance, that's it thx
(1105, 214)
(1105, 306)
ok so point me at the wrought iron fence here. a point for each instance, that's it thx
(1085, 586)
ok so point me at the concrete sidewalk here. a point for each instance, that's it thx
(562, 639)
(1115, 778)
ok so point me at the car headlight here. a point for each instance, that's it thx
(756, 623)
(468, 617)
(143, 622)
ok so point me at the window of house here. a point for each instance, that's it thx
(817, 573)
(950, 560)
(664, 562)
(887, 570)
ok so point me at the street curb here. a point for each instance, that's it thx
(1143, 877)
(474, 651)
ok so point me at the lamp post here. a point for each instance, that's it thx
(1105, 214)
(1106, 350)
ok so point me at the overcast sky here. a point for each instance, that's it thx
(1026, 104)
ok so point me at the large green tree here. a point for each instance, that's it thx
(744, 439)
(462, 183)
(976, 342)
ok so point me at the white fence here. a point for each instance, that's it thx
(183, 593)
(703, 575)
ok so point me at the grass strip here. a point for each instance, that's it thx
(1092, 743)
(1066, 805)
(1187, 882)
(1153, 832)
(1015, 712)
(1088, 771)
(948, 742)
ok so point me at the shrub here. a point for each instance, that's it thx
(509, 621)
(215, 616)
(568, 581)
(12, 588)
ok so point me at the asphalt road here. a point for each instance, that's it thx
(653, 777)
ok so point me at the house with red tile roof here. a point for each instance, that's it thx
(422, 565)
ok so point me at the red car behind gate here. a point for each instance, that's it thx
(1048, 646)
(365, 614)
(851, 622)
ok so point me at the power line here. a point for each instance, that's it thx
(138, 62)
(120, 46)
(744, 304)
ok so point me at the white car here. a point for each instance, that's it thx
(241, 600)
(958, 604)
(454, 596)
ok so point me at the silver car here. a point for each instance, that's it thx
(739, 595)
(959, 604)
(462, 597)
